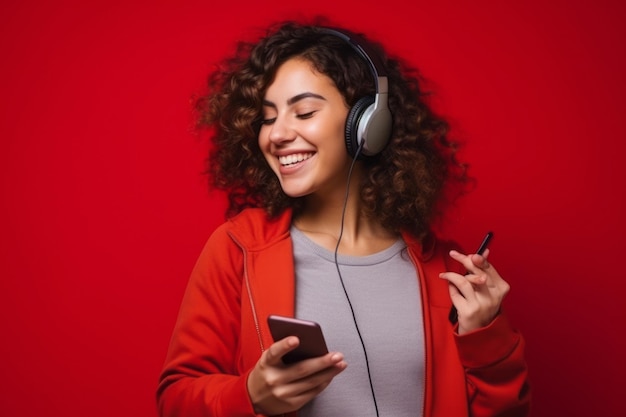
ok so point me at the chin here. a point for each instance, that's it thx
(295, 194)
(295, 191)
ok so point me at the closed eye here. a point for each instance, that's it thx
(305, 115)
(268, 121)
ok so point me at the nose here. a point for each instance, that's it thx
(281, 131)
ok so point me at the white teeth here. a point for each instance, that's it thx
(294, 158)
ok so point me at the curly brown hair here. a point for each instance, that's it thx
(404, 183)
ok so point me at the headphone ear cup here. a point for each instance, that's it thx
(353, 121)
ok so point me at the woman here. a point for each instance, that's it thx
(335, 168)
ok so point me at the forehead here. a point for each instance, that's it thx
(296, 76)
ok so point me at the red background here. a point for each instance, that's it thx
(104, 209)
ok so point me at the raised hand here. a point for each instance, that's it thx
(477, 295)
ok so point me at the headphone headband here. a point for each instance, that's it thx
(366, 51)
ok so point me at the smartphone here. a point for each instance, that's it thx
(312, 342)
(454, 316)
(483, 245)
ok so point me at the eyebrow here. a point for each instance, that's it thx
(295, 99)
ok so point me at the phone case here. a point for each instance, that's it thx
(312, 342)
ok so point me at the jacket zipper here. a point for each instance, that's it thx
(249, 291)
(251, 298)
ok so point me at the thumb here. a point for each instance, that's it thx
(278, 349)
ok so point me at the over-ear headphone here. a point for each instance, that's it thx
(369, 120)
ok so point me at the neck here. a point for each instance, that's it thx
(321, 221)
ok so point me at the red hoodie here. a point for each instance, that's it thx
(245, 273)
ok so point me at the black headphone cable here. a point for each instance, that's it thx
(343, 214)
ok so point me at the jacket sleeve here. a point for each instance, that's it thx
(495, 368)
(496, 372)
(200, 375)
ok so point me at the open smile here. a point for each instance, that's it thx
(293, 159)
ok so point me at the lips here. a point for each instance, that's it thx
(294, 158)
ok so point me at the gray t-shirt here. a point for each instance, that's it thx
(384, 291)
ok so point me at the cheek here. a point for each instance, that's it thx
(330, 134)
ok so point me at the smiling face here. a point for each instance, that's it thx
(302, 133)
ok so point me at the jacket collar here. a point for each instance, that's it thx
(256, 230)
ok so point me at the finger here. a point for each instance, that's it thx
(463, 259)
(474, 263)
(458, 301)
(309, 375)
(299, 392)
(330, 367)
(330, 364)
(484, 269)
(307, 367)
(278, 349)
(477, 279)
(460, 283)
(455, 295)
(480, 261)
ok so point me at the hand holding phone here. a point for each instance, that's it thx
(453, 316)
(312, 342)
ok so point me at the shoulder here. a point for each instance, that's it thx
(250, 230)
(253, 228)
